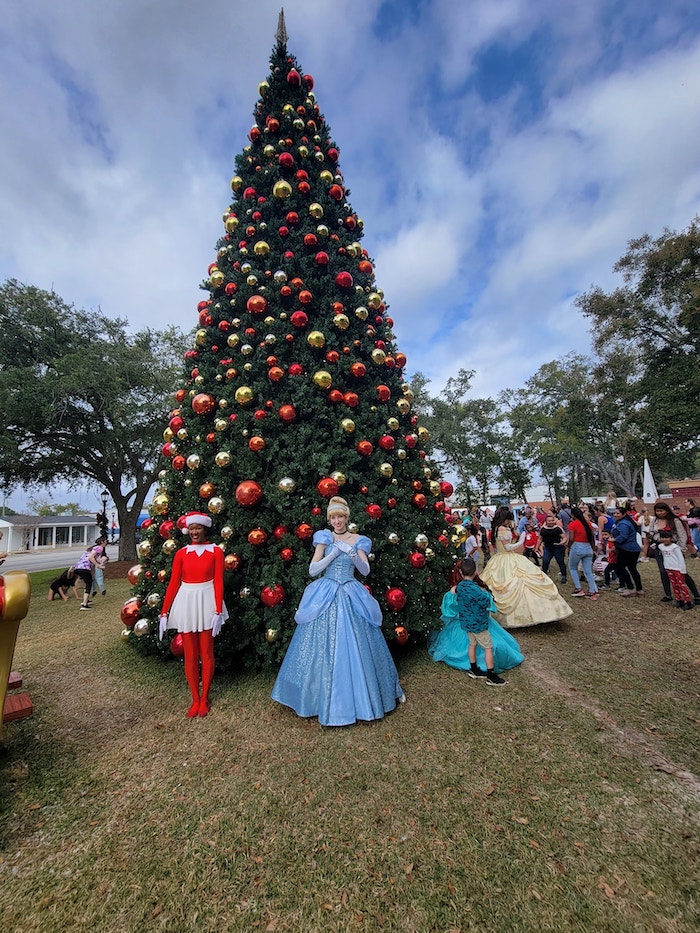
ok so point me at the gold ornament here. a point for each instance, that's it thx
(378, 356)
(316, 211)
(153, 600)
(226, 532)
(342, 322)
(323, 379)
(200, 338)
(392, 424)
(125, 633)
(348, 425)
(269, 151)
(407, 393)
(282, 189)
(141, 628)
(374, 301)
(220, 424)
(246, 349)
(287, 484)
(361, 313)
(271, 635)
(339, 477)
(429, 553)
(403, 406)
(168, 435)
(236, 183)
(261, 248)
(223, 403)
(194, 461)
(393, 538)
(199, 381)
(223, 458)
(182, 434)
(421, 542)
(386, 469)
(233, 340)
(354, 250)
(160, 505)
(434, 488)
(316, 339)
(244, 395)
(231, 223)
(427, 472)
(400, 454)
(143, 549)
(215, 505)
(252, 280)
(326, 177)
(216, 279)
(322, 230)
(169, 547)
(423, 434)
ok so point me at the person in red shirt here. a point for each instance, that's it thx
(194, 605)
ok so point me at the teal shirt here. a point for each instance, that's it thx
(473, 604)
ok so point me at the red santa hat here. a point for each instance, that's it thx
(197, 518)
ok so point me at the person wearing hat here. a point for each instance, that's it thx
(194, 606)
(338, 666)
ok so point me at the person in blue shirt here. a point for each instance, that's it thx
(473, 605)
(625, 531)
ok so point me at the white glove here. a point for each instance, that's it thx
(162, 626)
(317, 566)
(359, 561)
(516, 544)
(343, 546)
(217, 620)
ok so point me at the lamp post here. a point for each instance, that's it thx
(103, 523)
(113, 527)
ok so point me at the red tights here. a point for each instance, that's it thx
(199, 646)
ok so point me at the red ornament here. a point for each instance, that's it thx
(391, 503)
(336, 396)
(133, 574)
(287, 413)
(292, 218)
(303, 531)
(304, 187)
(336, 192)
(296, 369)
(248, 493)
(275, 373)
(272, 595)
(358, 370)
(202, 404)
(419, 500)
(387, 442)
(299, 318)
(287, 554)
(400, 360)
(280, 531)
(332, 356)
(374, 511)
(383, 393)
(327, 487)
(231, 562)
(286, 160)
(305, 296)
(351, 399)
(321, 258)
(401, 634)
(179, 463)
(395, 599)
(256, 304)
(343, 280)
(411, 441)
(177, 646)
(257, 536)
(364, 448)
(167, 450)
(256, 444)
(293, 78)
(176, 423)
(130, 611)
(310, 239)
(165, 528)
(417, 560)
(446, 489)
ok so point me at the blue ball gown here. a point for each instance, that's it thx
(451, 643)
(338, 665)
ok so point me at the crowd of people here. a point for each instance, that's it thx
(338, 667)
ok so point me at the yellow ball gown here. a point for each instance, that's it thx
(523, 593)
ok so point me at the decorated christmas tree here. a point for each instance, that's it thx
(294, 392)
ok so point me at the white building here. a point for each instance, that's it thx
(41, 532)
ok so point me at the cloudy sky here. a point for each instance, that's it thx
(500, 152)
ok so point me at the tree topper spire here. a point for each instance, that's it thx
(281, 34)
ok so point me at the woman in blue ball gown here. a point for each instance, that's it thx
(338, 666)
(451, 643)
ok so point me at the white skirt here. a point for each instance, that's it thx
(193, 608)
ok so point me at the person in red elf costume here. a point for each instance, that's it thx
(194, 605)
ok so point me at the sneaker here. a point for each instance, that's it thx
(86, 607)
(665, 599)
(493, 680)
(603, 587)
(687, 606)
(104, 592)
(578, 593)
(630, 593)
(592, 596)
(697, 600)
(643, 560)
(563, 580)
(622, 592)
(475, 674)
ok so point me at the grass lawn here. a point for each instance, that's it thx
(567, 800)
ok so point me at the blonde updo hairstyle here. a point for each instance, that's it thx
(337, 506)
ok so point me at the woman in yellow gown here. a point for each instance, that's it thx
(523, 594)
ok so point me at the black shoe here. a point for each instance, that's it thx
(476, 673)
(697, 600)
(493, 680)
(665, 599)
(687, 606)
(86, 607)
(563, 580)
